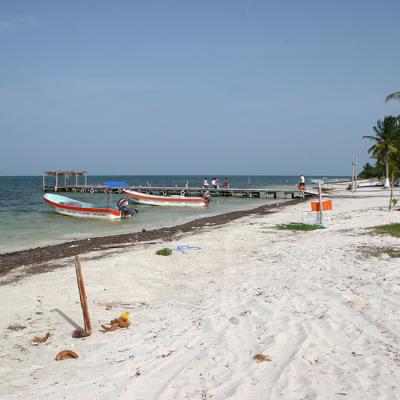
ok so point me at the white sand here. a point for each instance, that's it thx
(328, 317)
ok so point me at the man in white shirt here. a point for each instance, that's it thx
(302, 185)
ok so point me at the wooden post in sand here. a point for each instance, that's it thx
(355, 171)
(354, 163)
(82, 295)
(320, 202)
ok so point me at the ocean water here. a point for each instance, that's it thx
(27, 222)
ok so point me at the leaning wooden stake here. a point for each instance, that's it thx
(82, 295)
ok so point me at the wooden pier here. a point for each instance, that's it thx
(275, 193)
(62, 184)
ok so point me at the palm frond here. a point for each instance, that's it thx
(393, 96)
(371, 138)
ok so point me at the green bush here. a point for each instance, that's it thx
(372, 171)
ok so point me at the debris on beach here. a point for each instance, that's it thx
(165, 354)
(234, 320)
(21, 348)
(165, 251)
(124, 316)
(311, 362)
(16, 327)
(262, 357)
(121, 322)
(111, 328)
(184, 248)
(257, 223)
(115, 304)
(80, 333)
(65, 355)
(41, 339)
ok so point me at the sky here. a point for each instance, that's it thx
(194, 87)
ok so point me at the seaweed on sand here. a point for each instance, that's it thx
(299, 227)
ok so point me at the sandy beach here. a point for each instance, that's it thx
(323, 305)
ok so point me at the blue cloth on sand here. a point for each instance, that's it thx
(184, 248)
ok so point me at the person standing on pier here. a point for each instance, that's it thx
(226, 183)
(302, 185)
(214, 182)
(217, 183)
(205, 183)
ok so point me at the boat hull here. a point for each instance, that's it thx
(370, 184)
(175, 201)
(73, 208)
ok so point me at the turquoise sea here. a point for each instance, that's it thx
(27, 222)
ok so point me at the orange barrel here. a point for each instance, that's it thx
(314, 206)
(327, 205)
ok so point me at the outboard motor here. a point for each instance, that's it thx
(207, 196)
(126, 211)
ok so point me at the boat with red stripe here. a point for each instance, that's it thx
(157, 200)
(75, 208)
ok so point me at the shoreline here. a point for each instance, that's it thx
(10, 261)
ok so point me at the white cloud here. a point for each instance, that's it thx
(18, 24)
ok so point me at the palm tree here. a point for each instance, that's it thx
(386, 142)
(393, 96)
